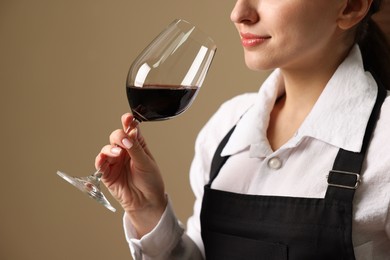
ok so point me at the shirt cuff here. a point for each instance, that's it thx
(160, 241)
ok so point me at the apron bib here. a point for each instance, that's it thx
(239, 226)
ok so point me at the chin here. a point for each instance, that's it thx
(258, 64)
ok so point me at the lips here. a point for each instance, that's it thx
(252, 40)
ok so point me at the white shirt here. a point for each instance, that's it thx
(298, 168)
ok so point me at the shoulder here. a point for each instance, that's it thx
(230, 111)
(372, 198)
(211, 135)
(227, 116)
(382, 128)
(379, 149)
(220, 123)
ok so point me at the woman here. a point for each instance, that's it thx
(299, 170)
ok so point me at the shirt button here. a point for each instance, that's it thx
(275, 163)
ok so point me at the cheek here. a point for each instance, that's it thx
(294, 31)
(295, 20)
(283, 25)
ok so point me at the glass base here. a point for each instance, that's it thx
(89, 186)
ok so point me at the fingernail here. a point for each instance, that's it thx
(127, 143)
(116, 150)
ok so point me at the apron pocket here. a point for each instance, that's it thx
(229, 247)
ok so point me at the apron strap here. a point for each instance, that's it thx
(218, 160)
(345, 176)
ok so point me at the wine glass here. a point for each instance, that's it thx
(162, 83)
(164, 80)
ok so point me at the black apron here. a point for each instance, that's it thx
(239, 226)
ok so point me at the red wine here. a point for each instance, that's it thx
(157, 102)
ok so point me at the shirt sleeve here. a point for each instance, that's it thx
(166, 241)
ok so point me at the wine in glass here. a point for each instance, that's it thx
(162, 83)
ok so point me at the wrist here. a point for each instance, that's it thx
(146, 219)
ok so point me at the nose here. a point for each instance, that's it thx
(245, 11)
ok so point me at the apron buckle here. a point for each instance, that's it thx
(343, 179)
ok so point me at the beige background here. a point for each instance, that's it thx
(63, 65)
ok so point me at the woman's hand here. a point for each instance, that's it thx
(132, 176)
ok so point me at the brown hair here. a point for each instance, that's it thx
(374, 44)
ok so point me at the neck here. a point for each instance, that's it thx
(304, 85)
(290, 110)
(302, 89)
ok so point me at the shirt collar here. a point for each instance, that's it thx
(339, 117)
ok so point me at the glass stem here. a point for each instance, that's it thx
(97, 175)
